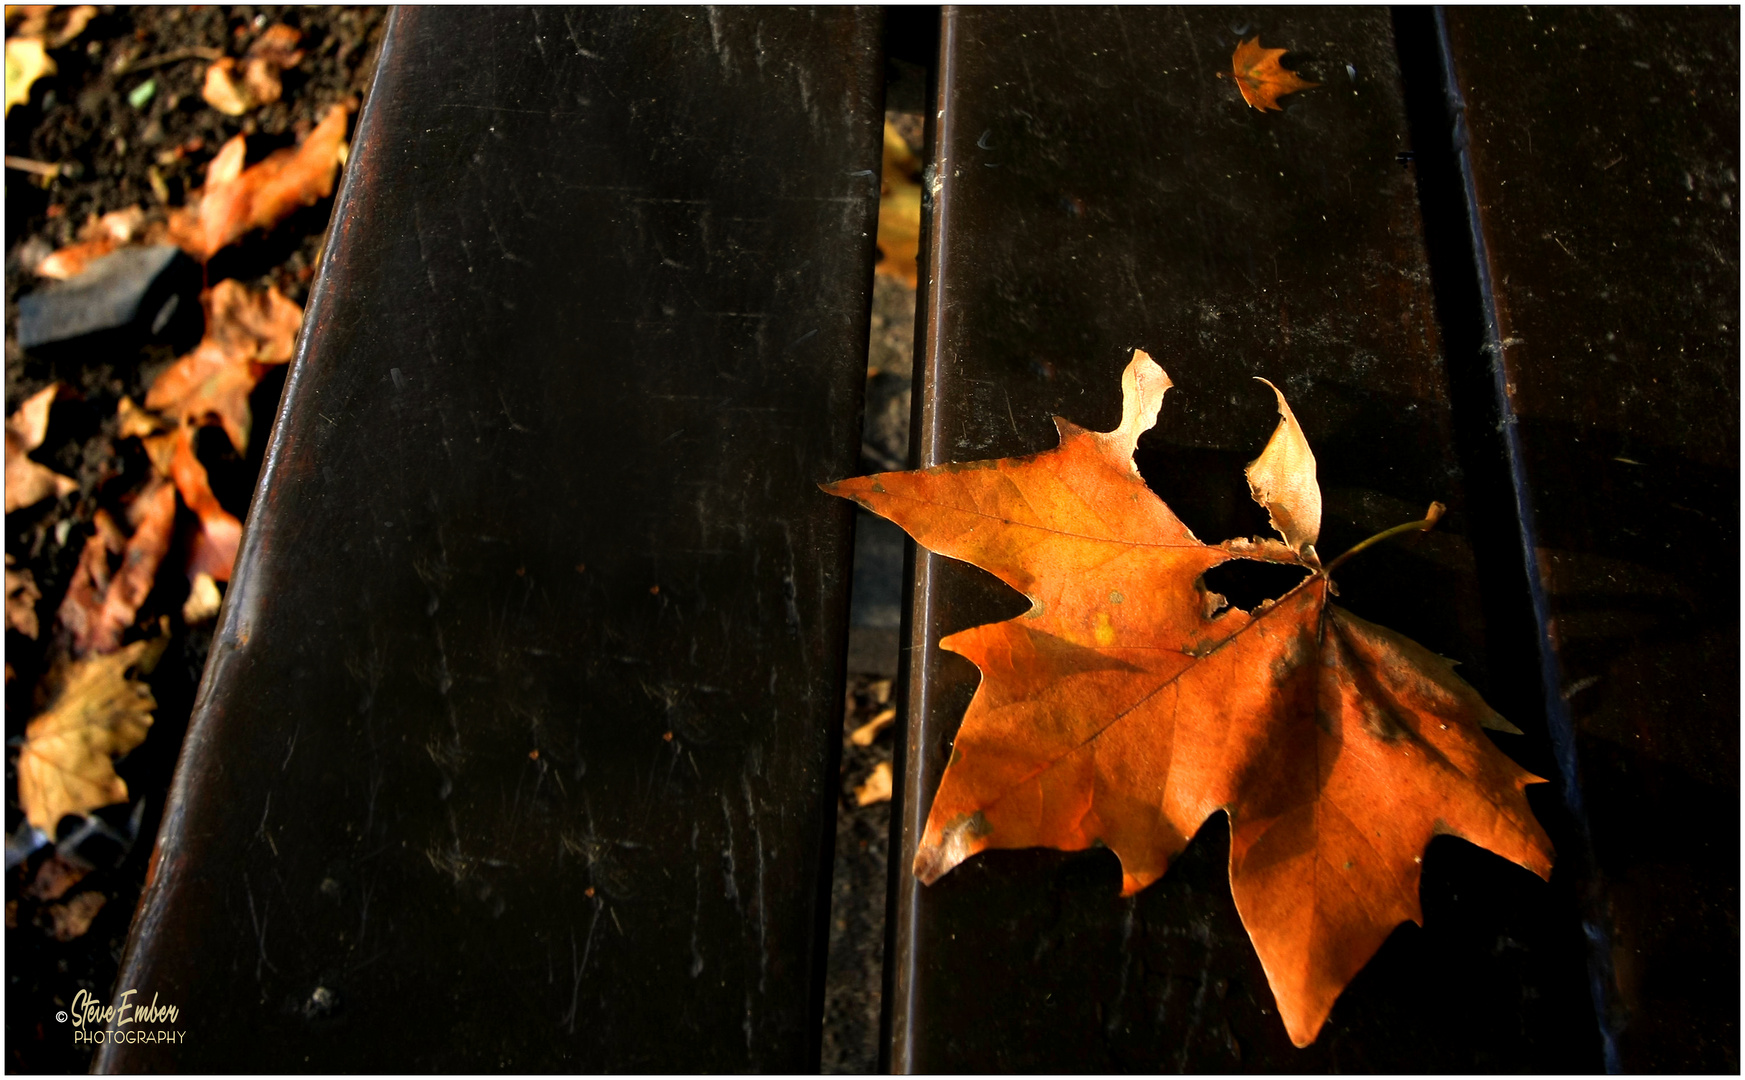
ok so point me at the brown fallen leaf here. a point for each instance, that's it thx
(1129, 704)
(235, 200)
(99, 237)
(82, 607)
(26, 61)
(98, 712)
(1260, 76)
(101, 604)
(877, 788)
(53, 878)
(27, 482)
(22, 596)
(246, 333)
(72, 919)
(899, 210)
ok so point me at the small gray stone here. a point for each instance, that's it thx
(134, 287)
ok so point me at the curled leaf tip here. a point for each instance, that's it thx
(1143, 385)
(1282, 479)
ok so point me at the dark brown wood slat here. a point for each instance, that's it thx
(1605, 155)
(1099, 188)
(517, 746)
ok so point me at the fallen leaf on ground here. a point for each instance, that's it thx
(82, 607)
(203, 601)
(877, 788)
(72, 919)
(899, 210)
(867, 732)
(258, 83)
(26, 62)
(27, 482)
(246, 333)
(33, 20)
(65, 765)
(235, 200)
(1129, 704)
(101, 604)
(99, 237)
(21, 599)
(53, 878)
(1260, 76)
(220, 533)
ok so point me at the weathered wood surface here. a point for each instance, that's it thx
(516, 749)
(1604, 149)
(1098, 189)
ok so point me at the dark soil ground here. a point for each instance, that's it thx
(107, 150)
(111, 155)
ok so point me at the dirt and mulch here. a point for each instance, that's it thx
(118, 551)
(123, 123)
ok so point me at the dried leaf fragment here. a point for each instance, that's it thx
(877, 788)
(99, 237)
(236, 200)
(246, 333)
(64, 766)
(26, 62)
(203, 602)
(1260, 76)
(1282, 479)
(72, 919)
(27, 482)
(22, 596)
(867, 732)
(1125, 708)
(899, 236)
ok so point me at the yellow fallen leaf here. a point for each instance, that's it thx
(28, 483)
(26, 62)
(877, 788)
(899, 210)
(203, 600)
(867, 732)
(64, 766)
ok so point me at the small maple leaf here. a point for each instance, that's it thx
(1260, 76)
(28, 483)
(64, 766)
(1125, 708)
(899, 211)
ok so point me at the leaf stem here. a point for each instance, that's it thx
(1431, 517)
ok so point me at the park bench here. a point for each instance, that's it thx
(517, 746)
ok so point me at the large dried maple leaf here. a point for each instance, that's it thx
(64, 766)
(1260, 76)
(1129, 704)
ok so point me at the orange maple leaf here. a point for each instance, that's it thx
(1260, 76)
(1129, 704)
(235, 200)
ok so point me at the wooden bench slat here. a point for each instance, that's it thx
(1605, 155)
(517, 746)
(1099, 189)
